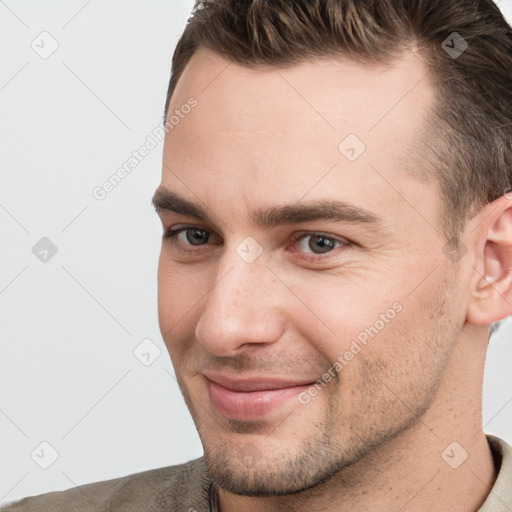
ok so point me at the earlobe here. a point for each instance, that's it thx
(491, 298)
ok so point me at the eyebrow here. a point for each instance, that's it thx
(323, 209)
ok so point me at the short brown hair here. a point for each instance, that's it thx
(467, 142)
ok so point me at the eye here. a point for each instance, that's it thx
(319, 243)
(311, 246)
(191, 236)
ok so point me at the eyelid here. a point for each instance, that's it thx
(172, 233)
(312, 257)
(295, 236)
(341, 239)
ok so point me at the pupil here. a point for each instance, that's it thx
(325, 244)
(197, 237)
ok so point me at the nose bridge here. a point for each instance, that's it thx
(242, 306)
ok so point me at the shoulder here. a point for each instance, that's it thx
(500, 497)
(182, 488)
(501, 453)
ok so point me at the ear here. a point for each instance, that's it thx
(491, 290)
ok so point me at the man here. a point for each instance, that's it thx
(337, 245)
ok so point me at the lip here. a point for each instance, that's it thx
(251, 398)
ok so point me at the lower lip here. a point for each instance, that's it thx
(250, 405)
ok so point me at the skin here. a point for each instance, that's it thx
(372, 438)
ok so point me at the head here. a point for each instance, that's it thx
(340, 192)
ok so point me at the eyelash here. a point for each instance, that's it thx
(171, 234)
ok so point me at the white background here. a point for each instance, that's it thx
(68, 327)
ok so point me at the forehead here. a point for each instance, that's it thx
(323, 126)
(332, 94)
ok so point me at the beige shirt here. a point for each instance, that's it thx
(187, 488)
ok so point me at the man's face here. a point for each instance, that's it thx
(245, 299)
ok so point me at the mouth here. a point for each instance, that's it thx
(254, 398)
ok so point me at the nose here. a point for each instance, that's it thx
(244, 307)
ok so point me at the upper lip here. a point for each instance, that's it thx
(256, 383)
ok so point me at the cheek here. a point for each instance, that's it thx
(413, 348)
(372, 304)
(345, 314)
(178, 292)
